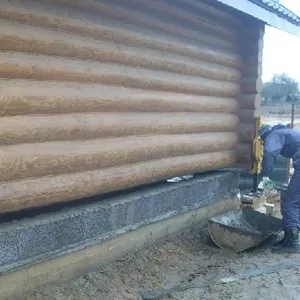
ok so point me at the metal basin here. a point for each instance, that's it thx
(242, 229)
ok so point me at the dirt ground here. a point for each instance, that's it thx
(191, 256)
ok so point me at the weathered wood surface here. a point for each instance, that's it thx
(99, 27)
(70, 127)
(48, 68)
(69, 157)
(126, 12)
(22, 97)
(250, 83)
(31, 39)
(52, 189)
(102, 96)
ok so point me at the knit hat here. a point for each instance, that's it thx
(264, 130)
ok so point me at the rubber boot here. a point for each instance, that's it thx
(290, 243)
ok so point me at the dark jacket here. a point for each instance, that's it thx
(281, 141)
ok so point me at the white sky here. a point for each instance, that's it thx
(282, 50)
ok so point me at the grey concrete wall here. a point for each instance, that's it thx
(32, 240)
(13, 285)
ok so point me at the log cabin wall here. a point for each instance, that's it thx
(252, 42)
(99, 96)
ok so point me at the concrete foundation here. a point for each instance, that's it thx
(76, 240)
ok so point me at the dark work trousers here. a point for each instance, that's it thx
(290, 204)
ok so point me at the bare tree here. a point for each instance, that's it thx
(280, 85)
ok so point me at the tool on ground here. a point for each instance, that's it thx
(243, 229)
(256, 155)
(271, 269)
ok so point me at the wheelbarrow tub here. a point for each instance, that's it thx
(243, 229)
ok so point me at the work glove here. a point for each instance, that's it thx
(267, 183)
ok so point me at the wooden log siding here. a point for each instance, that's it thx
(251, 87)
(100, 96)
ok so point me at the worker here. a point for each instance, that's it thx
(283, 140)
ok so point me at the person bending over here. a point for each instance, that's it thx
(282, 140)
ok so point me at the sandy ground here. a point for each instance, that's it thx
(191, 256)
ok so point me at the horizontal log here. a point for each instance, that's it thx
(31, 39)
(252, 58)
(37, 160)
(246, 132)
(32, 129)
(249, 70)
(48, 190)
(57, 17)
(180, 14)
(131, 14)
(252, 50)
(45, 68)
(248, 115)
(251, 85)
(254, 30)
(217, 13)
(249, 101)
(19, 97)
(244, 153)
(252, 39)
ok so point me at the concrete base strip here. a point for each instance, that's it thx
(35, 239)
(79, 262)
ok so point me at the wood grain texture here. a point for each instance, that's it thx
(131, 14)
(246, 132)
(214, 12)
(188, 17)
(247, 115)
(37, 129)
(244, 154)
(48, 190)
(101, 96)
(31, 39)
(251, 83)
(26, 66)
(37, 160)
(252, 70)
(21, 97)
(249, 101)
(44, 14)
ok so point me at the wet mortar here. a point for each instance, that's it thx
(249, 221)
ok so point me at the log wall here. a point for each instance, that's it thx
(251, 85)
(99, 96)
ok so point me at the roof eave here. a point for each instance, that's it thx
(263, 14)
